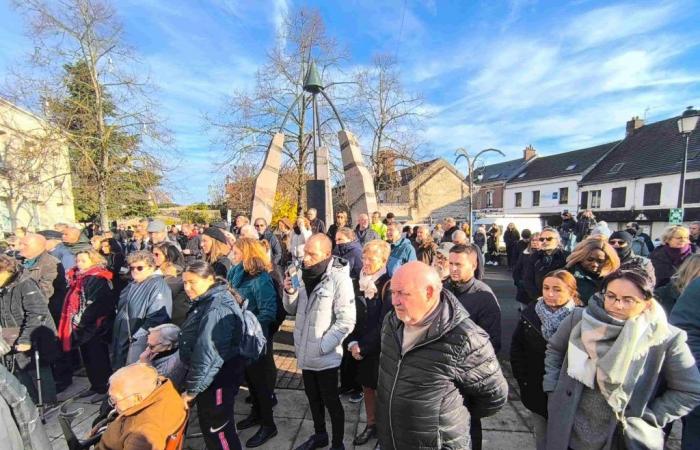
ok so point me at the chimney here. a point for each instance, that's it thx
(634, 124)
(529, 152)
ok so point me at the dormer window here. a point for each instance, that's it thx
(616, 168)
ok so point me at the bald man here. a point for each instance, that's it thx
(149, 408)
(45, 269)
(76, 240)
(436, 369)
(324, 305)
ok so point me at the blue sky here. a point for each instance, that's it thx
(504, 74)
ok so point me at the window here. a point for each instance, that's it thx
(563, 196)
(489, 199)
(584, 200)
(535, 198)
(616, 168)
(692, 191)
(652, 194)
(618, 197)
(595, 199)
(571, 167)
(518, 199)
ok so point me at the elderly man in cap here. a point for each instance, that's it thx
(158, 232)
(57, 249)
(150, 410)
(434, 362)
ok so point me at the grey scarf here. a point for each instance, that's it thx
(551, 318)
(604, 350)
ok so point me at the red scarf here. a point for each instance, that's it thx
(71, 305)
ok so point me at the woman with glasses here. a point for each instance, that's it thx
(250, 276)
(216, 249)
(86, 318)
(144, 303)
(591, 261)
(208, 344)
(669, 256)
(170, 262)
(523, 267)
(538, 322)
(686, 316)
(550, 257)
(617, 372)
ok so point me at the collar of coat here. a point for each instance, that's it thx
(449, 316)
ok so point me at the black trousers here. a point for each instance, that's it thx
(215, 408)
(257, 376)
(321, 389)
(95, 355)
(348, 370)
(475, 432)
(63, 368)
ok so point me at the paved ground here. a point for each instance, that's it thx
(510, 429)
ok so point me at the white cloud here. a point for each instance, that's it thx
(280, 9)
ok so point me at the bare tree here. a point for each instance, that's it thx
(389, 117)
(84, 78)
(249, 120)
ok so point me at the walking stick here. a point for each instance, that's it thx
(40, 405)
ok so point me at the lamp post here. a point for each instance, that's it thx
(471, 163)
(686, 125)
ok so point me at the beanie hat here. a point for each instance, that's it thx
(216, 233)
(625, 236)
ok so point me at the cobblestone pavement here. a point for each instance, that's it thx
(510, 429)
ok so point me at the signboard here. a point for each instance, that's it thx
(555, 195)
(675, 216)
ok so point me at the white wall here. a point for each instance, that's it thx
(548, 205)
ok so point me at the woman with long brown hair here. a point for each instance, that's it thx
(591, 261)
(538, 322)
(216, 249)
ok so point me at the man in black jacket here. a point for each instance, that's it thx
(481, 304)
(266, 234)
(450, 226)
(551, 256)
(433, 361)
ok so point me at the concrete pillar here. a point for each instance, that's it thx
(359, 187)
(266, 181)
(323, 168)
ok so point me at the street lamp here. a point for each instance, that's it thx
(686, 125)
(471, 163)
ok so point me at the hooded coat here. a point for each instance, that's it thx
(141, 306)
(425, 397)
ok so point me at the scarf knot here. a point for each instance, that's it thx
(552, 318)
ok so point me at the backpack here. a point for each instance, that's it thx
(253, 339)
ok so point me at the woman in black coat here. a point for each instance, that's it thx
(668, 257)
(522, 269)
(376, 303)
(28, 328)
(511, 238)
(538, 321)
(112, 251)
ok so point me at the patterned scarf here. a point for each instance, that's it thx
(605, 350)
(552, 318)
(367, 282)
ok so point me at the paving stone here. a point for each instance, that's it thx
(498, 440)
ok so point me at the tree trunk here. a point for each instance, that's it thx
(102, 203)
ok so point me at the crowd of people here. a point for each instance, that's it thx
(164, 318)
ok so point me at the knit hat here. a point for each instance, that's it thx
(625, 236)
(216, 233)
(220, 224)
(51, 234)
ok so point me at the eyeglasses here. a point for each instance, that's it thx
(547, 239)
(620, 242)
(626, 302)
(137, 268)
(112, 402)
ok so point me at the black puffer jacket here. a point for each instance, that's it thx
(23, 306)
(527, 360)
(426, 396)
(540, 265)
(210, 336)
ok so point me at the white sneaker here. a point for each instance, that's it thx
(495, 263)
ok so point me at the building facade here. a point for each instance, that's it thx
(35, 179)
(489, 191)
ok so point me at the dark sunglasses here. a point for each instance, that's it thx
(137, 268)
(548, 239)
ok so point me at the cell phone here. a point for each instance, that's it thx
(294, 276)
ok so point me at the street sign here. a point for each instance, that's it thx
(675, 216)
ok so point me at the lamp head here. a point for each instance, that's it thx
(688, 121)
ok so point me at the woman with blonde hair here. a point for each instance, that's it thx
(86, 318)
(538, 322)
(301, 232)
(216, 249)
(686, 316)
(667, 258)
(250, 276)
(591, 261)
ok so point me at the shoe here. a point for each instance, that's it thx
(98, 398)
(317, 440)
(85, 394)
(264, 434)
(368, 433)
(356, 397)
(248, 422)
(495, 263)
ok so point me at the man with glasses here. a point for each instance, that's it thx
(265, 234)
(341, 221)
(144, 303)
(148, 406)
(551, 256)
(441, 262)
